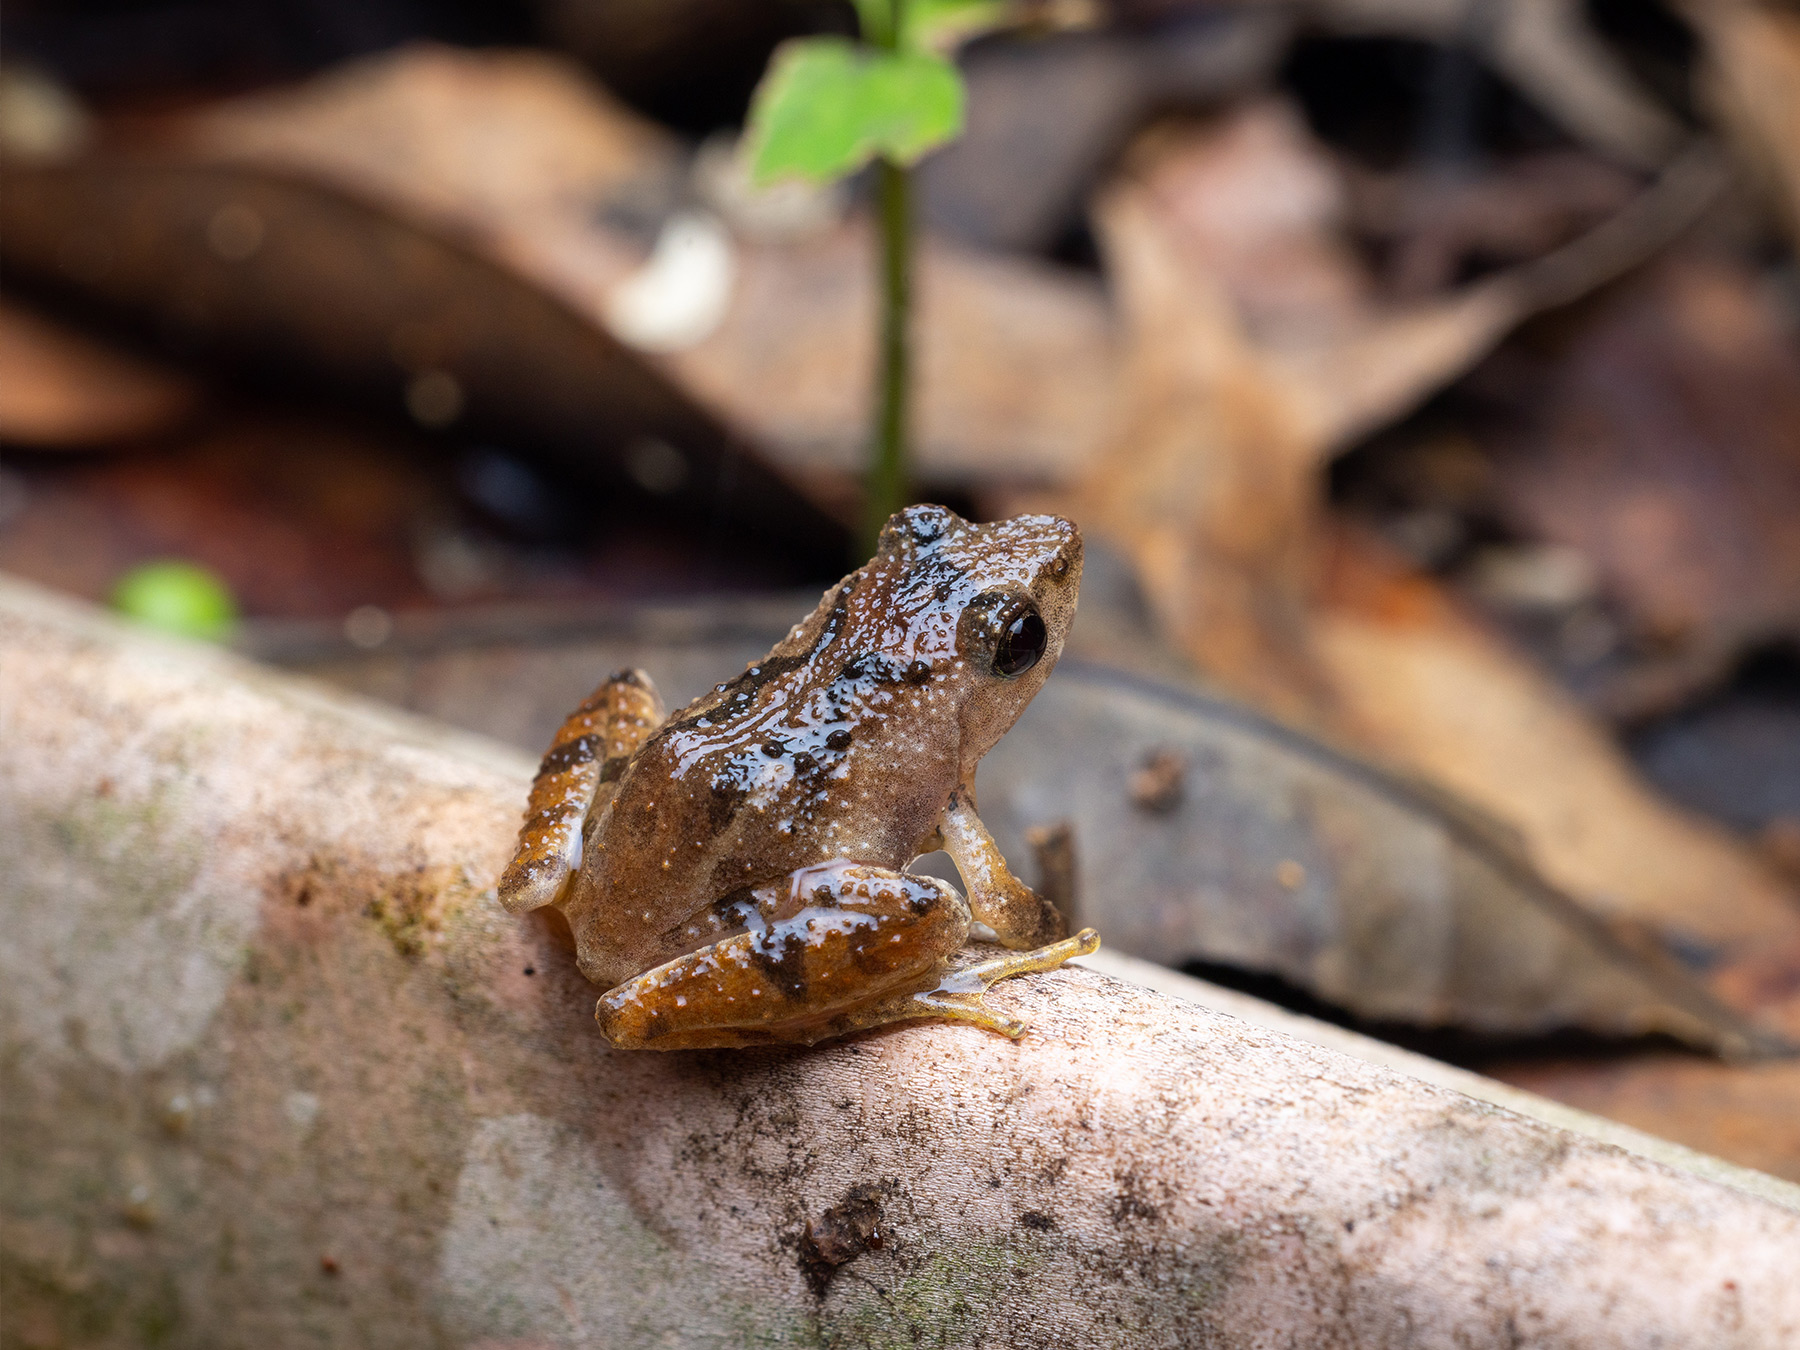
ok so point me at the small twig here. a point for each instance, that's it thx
(1053, 846)
(888, 478)
(1650, 222)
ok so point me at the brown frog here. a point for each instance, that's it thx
(735, 874)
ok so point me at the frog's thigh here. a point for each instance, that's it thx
(574, 780)
(862, 933)
(1019, 915)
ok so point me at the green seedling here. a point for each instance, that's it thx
(177, 597)
(828, 106)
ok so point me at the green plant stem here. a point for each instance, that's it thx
(889, 487)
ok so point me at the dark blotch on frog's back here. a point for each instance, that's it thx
(737, 696)
(854, 616)
(871, 668)
(939, 573)
(896, 570)
(722, 802)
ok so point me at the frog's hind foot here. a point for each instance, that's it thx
(958, 994)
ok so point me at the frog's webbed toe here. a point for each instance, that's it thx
(574, 781)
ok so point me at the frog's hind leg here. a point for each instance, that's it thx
(574, 781)
(852, 947)
(822, 945)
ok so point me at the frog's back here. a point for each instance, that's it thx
(792, 763)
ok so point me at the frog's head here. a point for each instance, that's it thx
(988, 605)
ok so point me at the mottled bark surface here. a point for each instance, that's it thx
(278, 1071)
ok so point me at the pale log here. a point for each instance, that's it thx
(277, 1071)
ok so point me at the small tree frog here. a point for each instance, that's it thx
(735, 874)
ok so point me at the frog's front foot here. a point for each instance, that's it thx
(958, 994)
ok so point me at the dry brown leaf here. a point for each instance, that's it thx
(1256, 347)
(266, 270)
(60, 388)
(1341, 390)
(1753, 58)
(1662, 442)
(1401, 353)
(519, 150)
(1251, 206)
(569, 189)
(1212, 488)
(1207, 487)
(1424, 684)
(1016, 359)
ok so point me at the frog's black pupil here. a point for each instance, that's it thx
(1021, 644)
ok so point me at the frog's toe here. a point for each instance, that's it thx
(958, 995)
(984, 974)
(958, 1006)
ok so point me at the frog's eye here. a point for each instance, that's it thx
(1022, 639)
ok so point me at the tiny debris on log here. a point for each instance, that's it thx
(1160, 782)
(843, 1233)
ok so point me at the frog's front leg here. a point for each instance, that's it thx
(573, 782)
(1018, 915)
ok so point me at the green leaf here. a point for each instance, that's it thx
(828, 106)
(178, 597)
